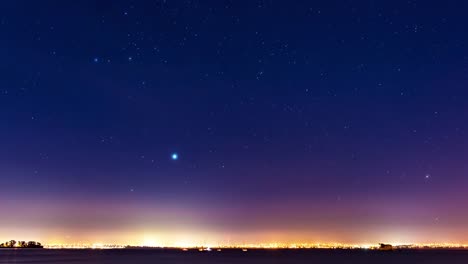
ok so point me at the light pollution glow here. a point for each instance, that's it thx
(176, 226)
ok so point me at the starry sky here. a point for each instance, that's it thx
(181, 122)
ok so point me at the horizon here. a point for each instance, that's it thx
(261, 245)
(233, 122)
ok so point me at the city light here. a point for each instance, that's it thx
(273, 245)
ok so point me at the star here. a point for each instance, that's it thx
(175, 156)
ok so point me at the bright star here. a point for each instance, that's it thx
(174, 156)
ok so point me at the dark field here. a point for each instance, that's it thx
(229, 256)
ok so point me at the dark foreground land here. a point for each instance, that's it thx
(135, 256)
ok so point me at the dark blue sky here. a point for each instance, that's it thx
(342, 105)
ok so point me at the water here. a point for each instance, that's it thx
(133, 256)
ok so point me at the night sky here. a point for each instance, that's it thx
(184, 122)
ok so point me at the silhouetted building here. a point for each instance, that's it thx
(385, 247)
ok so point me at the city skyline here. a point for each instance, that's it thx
(233, 122)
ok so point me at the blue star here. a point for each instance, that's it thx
(175, 156)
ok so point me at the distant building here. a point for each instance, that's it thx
(34, 244)
(385, 247)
